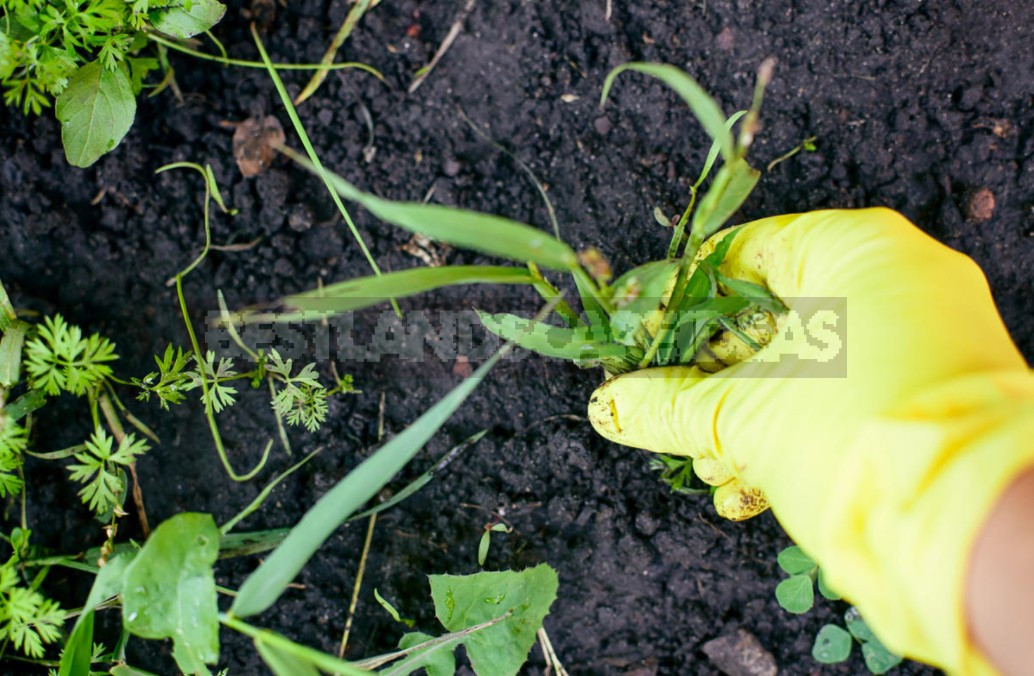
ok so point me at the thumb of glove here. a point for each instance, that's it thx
(674, 410)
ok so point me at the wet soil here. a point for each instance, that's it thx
(918, 106)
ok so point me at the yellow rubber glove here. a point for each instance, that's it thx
(885, 474)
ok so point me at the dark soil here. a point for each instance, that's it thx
(916, 106)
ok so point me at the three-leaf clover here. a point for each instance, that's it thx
(796, 594)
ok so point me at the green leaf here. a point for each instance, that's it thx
(96, 111)
(757, 294)
(186, 18)
(857, 626)
(878, 659)
(486, 541)
(636, 294)
(796, 594)
(486, 233)
(390, 609)
(583, 344)
(11, 353)
(169, 590)
(283, 663)
(832, 645)
(440, 662)
(76, 657)
(700, 102)
(463, 601)
(267, 583)
(824, 590)
(732, 185)
(355, 294)
(126, 670)
(794, 562)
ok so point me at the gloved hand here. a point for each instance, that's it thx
(884, 475)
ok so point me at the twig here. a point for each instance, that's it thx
(552, 661)
(356, 587)
(454, 32)
(354, 14)
(120, 434)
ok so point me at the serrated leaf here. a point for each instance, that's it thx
(438, 662)
(463, 601)
(186, 18)
(832, 645)
(579, 344)
(170, 592)
(96, 111)
(793, 561)
(796, 594)
(878, 659)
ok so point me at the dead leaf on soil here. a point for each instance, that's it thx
(431, 253)
(254, 144)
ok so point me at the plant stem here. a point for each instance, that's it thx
(115, 425)
(357, 586)
(175, 46)
(354, 14)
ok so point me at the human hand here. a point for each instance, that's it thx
(885, 474)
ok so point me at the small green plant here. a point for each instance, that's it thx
(677, 472)
(833, 643)
(84, 58)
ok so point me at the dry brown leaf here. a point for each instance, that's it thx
(254, 144)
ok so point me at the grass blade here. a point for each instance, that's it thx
(577, 344)
(700, 102)
(730, 190)
(267, 583)
(355, 294)
(486, 233)
(307, 144)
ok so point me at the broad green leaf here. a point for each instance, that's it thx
(794, 562)
(96, 111)
(583, 344)
(463, 601)
(878, 659)
(732, 185)
(825, 590)
(283, 663)
(169, 590)
(486, 233)
(264, 586)
(76, 657)
(439, 662)
(700, 102)
(186, 18)
(796, 594)
(355, 294)
(832, 645)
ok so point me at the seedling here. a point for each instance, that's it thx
(832, 643)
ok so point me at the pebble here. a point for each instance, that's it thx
(980, 206)
(740, 654)
(602, 125)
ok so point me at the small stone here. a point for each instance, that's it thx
(725, 39)
(602, 126)
(451, 168)
(740, 654)
(980, 206)
(300, 217)
(325, 116)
